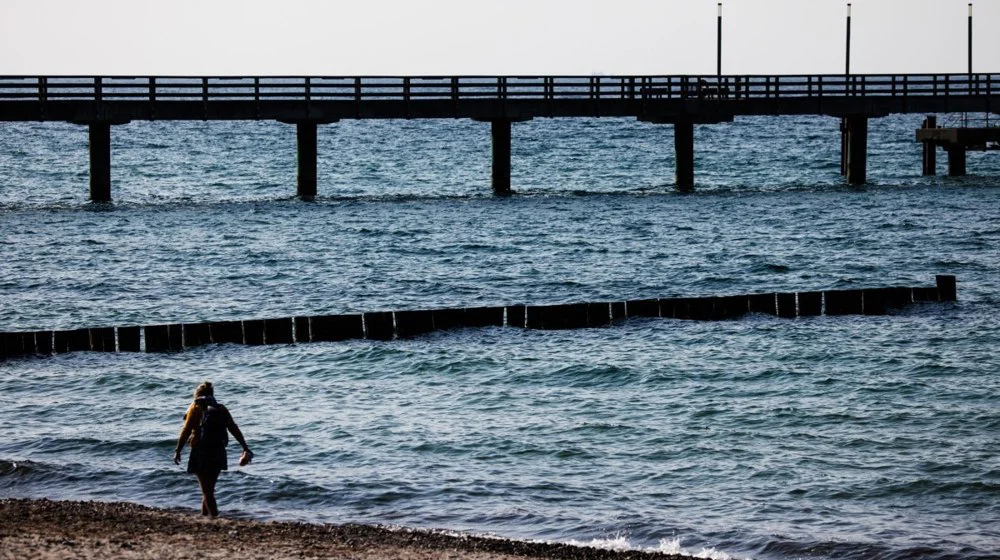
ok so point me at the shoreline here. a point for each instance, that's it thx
(47, 529)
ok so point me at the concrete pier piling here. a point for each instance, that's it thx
(855, 143)
(843, 146)
(100, 162)
(930, 149)
(684, 153)
(956, 160)
(500, 129)
(306, 140)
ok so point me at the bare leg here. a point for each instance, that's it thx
(207, 482)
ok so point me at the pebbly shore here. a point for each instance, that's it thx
(46, 529)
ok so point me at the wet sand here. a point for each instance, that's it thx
(47, 529)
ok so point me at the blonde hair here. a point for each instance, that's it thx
(204, 390)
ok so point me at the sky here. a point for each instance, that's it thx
(490, 37)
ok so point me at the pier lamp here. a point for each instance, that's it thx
(847, 67)
(718, 45)
(970, 38)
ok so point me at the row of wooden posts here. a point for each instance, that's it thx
(389, 325)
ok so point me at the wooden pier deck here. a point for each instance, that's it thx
(103, 101)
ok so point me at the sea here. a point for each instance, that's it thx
(831, 437)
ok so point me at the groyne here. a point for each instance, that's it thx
(390, 325)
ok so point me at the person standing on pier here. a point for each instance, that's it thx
(207, 424)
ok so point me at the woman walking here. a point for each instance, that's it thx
(206, 426)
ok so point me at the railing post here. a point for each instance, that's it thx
(43, 89)
(947, 85)
(308, 92)
(809, 81)
(256, 96)
(152, 89)
(406, 89)
(98, 88)
(894, 85)
(357, 90)
(906, 85)
(454, 89)
(204, 97)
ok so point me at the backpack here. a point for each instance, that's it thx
(213, 429)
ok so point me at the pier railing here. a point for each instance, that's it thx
(456, 88)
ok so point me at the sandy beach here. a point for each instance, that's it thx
(47, 529)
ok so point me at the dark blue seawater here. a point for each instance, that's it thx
(827, 437)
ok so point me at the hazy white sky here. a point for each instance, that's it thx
(427, 37)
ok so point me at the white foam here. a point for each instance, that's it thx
(618, 543)
(673, 546)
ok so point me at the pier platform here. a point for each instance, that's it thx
(956, 141)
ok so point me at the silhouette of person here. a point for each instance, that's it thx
(206, 424)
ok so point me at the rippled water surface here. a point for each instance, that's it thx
(827, 437)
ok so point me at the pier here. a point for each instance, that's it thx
(102, 102)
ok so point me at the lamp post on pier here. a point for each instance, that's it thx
(718, 46)
(847, 62)
(970, 38)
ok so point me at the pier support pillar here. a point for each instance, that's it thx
(956, 160)
(856, 152)
(100, 162)
(843, 146)
(930, 149)
(684, 151)
(306, 135)
(501, 156)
